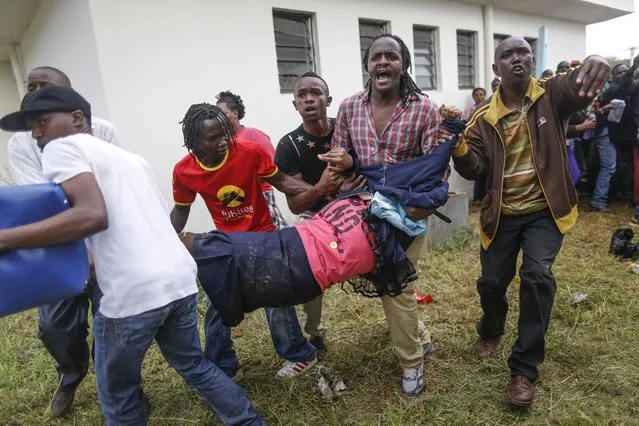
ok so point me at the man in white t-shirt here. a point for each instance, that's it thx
(63, 326)
(146, 274)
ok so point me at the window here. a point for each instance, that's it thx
(466, 59)
(533, 45)
(294, 46)
(425, 57)
(368, 30)
(498, 38)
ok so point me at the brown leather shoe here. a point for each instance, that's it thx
(521, 391)
(486, 348)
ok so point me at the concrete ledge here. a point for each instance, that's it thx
(457, 210)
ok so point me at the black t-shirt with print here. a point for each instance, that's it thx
(297, 152)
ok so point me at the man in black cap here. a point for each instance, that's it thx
(147, 276)
(63, 326)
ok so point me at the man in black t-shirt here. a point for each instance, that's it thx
(296, 155)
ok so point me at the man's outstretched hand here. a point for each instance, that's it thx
(338, 160)
(593, 74)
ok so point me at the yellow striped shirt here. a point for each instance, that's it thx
(522, 192)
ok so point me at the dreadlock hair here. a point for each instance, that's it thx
(407, 87)
(192, 126)
(234, 102)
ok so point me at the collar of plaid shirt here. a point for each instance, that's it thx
(411, 131)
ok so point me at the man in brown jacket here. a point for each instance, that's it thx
(517, 140)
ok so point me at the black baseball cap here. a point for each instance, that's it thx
(47, 99)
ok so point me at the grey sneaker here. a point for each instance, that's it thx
(61, 402)
(600, 208)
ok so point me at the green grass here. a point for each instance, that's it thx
(591, 373)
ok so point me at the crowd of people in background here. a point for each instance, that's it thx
(234, 168)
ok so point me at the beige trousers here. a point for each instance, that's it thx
(408, 332)
(312, 310)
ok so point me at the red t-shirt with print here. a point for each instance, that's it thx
(231, 190)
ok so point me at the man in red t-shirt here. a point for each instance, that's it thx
(233, 107)
(227, 173)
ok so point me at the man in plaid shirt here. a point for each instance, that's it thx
(390, 122)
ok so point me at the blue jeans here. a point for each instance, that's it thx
(608, 165)
(120, 347)
(286, 333)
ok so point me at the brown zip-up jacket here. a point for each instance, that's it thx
(482, 150)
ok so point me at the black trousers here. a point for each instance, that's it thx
(64, 328)
(539, 239)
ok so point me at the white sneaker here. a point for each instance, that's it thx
(426, 343)
(413, 380)
(293, 369)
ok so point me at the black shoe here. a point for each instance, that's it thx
(320, 345)
(61, 402)
(146, 402)
(599, 208)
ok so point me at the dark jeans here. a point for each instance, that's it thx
(64, 328)
(122, 343)
(538, 237)
(241, 271)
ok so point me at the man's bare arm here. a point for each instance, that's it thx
(86, 217)
(327, 185)
(179, 217)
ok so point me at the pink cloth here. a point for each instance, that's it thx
(260, 138)
(336, 241)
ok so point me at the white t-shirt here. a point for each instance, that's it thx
(140, 263)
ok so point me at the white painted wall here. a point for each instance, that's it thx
(9, 102)
(61, 35)
(566, 40)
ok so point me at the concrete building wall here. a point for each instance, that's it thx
(566, 40)
(61, 35)
(9, 102)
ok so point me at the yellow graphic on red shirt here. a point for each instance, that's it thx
(231, 195)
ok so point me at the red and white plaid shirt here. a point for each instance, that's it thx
(412, 130)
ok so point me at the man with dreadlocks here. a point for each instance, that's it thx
(233, 107)
(227, 173)
(390, 122)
